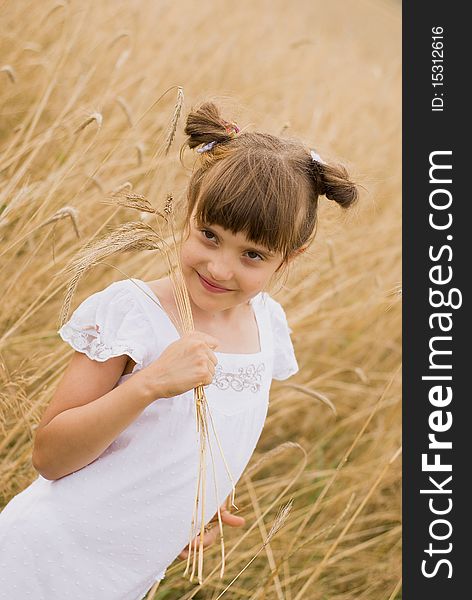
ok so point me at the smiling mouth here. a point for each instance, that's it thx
(217, 287)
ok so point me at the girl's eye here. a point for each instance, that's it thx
(257, 255)
(205, 231)
(212, 238)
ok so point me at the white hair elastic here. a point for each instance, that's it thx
(317, 157)
(206, 147)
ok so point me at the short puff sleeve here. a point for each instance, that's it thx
(285, 362)
(109, 323)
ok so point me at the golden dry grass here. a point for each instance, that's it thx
(85, 116)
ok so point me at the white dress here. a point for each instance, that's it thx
(109, 530)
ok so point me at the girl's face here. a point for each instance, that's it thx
(240, 268)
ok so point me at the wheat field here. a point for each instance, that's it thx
(88, 95)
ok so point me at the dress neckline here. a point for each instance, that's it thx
(254, 304)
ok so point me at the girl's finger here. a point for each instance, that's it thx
(208, 539)
(232, 520)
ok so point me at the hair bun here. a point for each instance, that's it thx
(204, 125)
(333, 182)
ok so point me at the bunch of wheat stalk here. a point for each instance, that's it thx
(140, 236)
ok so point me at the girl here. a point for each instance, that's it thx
(117, 448)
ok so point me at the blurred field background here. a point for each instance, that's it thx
(88, 94)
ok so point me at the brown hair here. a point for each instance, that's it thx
(262, 185)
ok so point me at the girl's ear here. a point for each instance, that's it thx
(294, 254)
(297, 252)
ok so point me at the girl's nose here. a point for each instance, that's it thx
(220, 271)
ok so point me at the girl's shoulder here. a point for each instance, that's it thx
(110, 322)
(277, 315)
(284, 359)
(115, 301)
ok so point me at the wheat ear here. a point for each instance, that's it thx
(279, 521)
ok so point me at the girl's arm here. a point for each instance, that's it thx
(86, 414)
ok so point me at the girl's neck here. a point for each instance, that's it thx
(222, 318)
(237, 333)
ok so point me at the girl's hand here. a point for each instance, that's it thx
(211, 536)
(184, 364)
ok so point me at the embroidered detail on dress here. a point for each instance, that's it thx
(246, 378)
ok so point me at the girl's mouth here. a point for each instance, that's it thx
(210, 287)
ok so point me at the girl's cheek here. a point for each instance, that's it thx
(187, 253)
(196, 252)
